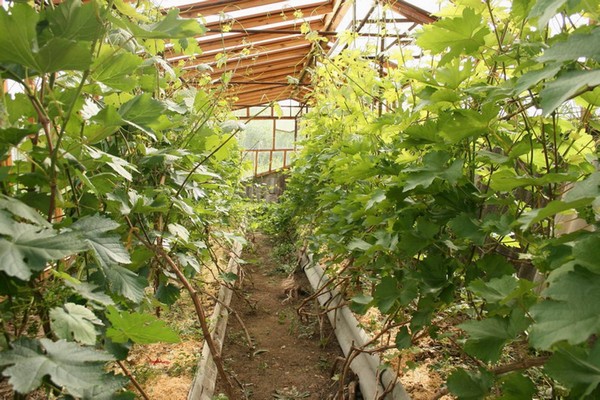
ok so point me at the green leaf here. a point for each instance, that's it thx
(551, 209)
(22, 210)
(543, 10)
(496, 290)
(125, 282)
(139, 328)
(486, 338)
(19, 44)
(89, 292)
(461, 35)
(169, 27)
(565, 87)
(469, 385)
(67, 364)
(577, 45)
(108, 249)
(358, 244)
(576, 369)
(72, 321)
(403, 339)
(11, 137)
(465, 226)
(74, 21)
(387, 293)
(142, 111)
(570, 313)
(516, 386)
(434, 166)
(30, 249)
(116, 70)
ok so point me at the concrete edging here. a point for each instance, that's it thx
(203, 385)
(348, 332)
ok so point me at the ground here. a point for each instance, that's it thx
(291, 358)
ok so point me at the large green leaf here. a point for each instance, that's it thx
(116, 70)
(517, 387)
(12, 136)
(434, 167)
(543, 10)
(22, 210)
(139, 328)
(468, 385)
(460, 35)
(89, 291)
(125, 282)
(142, 112)
(76, 21)
(67, 364)
(169, 27)
(72, 321)
(108, 249)
(565, 87)
(30, 249)
(19, 44)
(487, 337)
(576, 368)
(571, 311)
(579, 45)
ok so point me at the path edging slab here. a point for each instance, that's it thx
(203, 385)
(348, 332)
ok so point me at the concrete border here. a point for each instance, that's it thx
(348, 332)
(203, 385)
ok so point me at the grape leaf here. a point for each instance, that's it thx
(29, 249)
(571, 311)
(125, 282)
(517, 387)
(74, 21)
(578, 45)
(19, 44)
(486, 338)
(88, 291)
(461, 35)
(68, 365)
(108, 249)
(469, 385)
(576, 368)
(169, 27)
(565, 87)
(72, 321)
(139, 328)
(544, 10)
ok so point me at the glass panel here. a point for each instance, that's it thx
(258, 135)
(277, 160)
(242, 112)
(284, 137)
(260, 111)
(263, 162)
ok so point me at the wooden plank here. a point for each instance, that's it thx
(411, 12)
(256, 52)
(217, 6)
(279, 15)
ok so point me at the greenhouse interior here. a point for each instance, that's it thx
(300, 199)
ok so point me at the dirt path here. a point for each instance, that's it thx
(291, 359)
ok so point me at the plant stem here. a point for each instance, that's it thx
(216, 355)
(133, 380)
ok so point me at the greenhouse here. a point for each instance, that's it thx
(299, 199)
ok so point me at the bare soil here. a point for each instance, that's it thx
(291, 358)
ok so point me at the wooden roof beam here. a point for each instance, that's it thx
(260, 19)
(218, 6)
(254, 58)
(411, 12)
